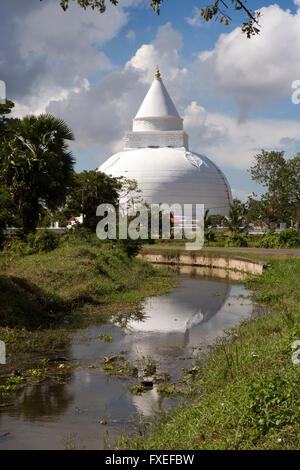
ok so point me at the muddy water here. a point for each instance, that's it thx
(172, 329)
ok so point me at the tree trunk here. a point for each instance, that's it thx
(30, 215)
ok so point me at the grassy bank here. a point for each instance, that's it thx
(44, 296)
(247, 394)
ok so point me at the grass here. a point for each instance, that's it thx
(45, 296)
(247, 395)
(285, 239)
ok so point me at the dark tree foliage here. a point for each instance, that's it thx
(5, 109)
(36, 165)
(236, 221)
(6, 211)
(90, 189)
(281, 178)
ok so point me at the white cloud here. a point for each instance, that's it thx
(69, 40)
(100, 112)
(131, 35)
(37, 103)
(260, 70)
(60, 51)
(232, 143)
(108, 107)
(164, 51)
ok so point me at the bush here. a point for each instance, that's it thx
(131, 247)
(209, 235)
(78, 233)
(2, 237)
(289, 238)
(43, 240)
(21, 248)
(236, 240)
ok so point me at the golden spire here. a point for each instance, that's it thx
(157, 75)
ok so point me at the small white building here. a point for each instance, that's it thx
(156, 154)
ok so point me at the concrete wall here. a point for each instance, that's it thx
(243, 265)
(158, 138)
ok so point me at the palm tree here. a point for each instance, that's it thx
(37, 166)
(236, 221)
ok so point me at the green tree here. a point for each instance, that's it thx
(261, 211)
(281, 178)
(216, 220)
(217, 10)
(36, 165)
(6, 211)
(90, 189)
(5, 109)
(236, 220)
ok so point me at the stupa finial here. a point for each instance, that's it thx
(157, 74)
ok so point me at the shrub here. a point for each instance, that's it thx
(45, 241)
(21, 248)
(289, 238)
(209, 235)
(131, 247)
(236, 240)
(78, 233)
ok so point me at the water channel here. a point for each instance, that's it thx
(90, 407)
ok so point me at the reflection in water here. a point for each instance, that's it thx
(178, 326)
(170, 328)
(44, 400)
(169, 319)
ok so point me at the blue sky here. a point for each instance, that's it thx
(144, 23)
(94, 70)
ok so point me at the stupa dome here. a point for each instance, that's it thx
(157, 156)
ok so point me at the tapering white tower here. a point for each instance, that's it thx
(156, 154)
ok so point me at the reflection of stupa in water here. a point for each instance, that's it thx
(157, 156)
(168, 325)
(169, 319)
(193, 315)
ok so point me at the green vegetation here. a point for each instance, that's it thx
(6, 215)
(247, 394)
(235, 239)
(138, 389)
(36, 165)
(281, 178)
(37, 178)
(147, 363)
(107, 338)
(116, 365)
(31, 377)
(42, 241)
(289, 238)
(88, 191)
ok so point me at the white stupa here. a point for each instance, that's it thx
(156, 154)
